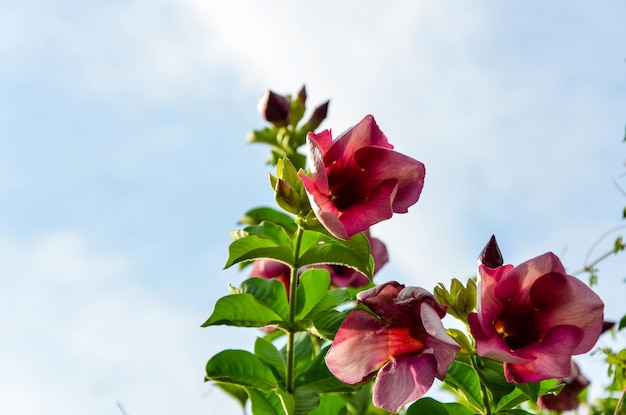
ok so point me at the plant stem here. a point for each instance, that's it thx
(293, 286)
(483, 390)
(620, 402)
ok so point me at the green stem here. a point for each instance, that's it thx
(293, 286)
(484, 391)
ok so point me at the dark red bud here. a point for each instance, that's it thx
(274, 108)
(491, 257)
(302, 95)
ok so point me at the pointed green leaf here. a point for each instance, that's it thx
(254, 247)
(432, 407)
(267, 214)
(303, 350)
(491, 373)
(313, 287)
(242, 310)
(265, 403)
(269, 292)
(354, 253)
(266, 240)
(511, 400)
(271, 356)
(241, 368)
(463, 378)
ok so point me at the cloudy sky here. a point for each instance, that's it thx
(123, 165)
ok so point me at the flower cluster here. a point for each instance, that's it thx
(312, 281)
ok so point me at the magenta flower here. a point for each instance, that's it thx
(358, 180)
(534, 317)
(342, 276)
(404, 342)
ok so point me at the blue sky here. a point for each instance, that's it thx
(123, 165)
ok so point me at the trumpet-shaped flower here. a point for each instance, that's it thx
(404, 341)
(534, 317)
(358, 179)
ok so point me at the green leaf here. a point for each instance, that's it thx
(235, 391)
(432, 407)
(241, 368)
(534, 390)
(354, 253)
(303, 347)
(271, 356)
(266, 240)
(330, 405)
(511, 400)
(463, 378)
(266, 214)
(254, 247)
(269, 292)
(305, 400)
(622, 323)
(323, 324)
(491, 374)
(313, 287)
(518, 412)
(318, 378)
(242, 310)
(265, 403)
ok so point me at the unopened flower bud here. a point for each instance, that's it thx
(491, 257)
(274, 108)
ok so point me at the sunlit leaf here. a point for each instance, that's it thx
(321, 249)
(432, 407)
(269, 292)
(463, 378)
(266, 214)
(241, 368)
(242, 310)
(265, 403)
(271, 356)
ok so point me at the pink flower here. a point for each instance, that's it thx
(358, 180)
(534, 317)
(404, 342)
(342, 276)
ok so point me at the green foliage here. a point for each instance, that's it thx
(432, 407)
(240, 368)
(460, 299)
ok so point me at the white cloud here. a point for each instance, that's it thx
(80, 334)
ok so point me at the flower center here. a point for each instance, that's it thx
(345, 186)
(405, 340)
(518, 328)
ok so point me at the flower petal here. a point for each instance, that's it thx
(403, 380)
(381, 164)
(553, 355)
(576, 304)
(359, 349)
(444, 348)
